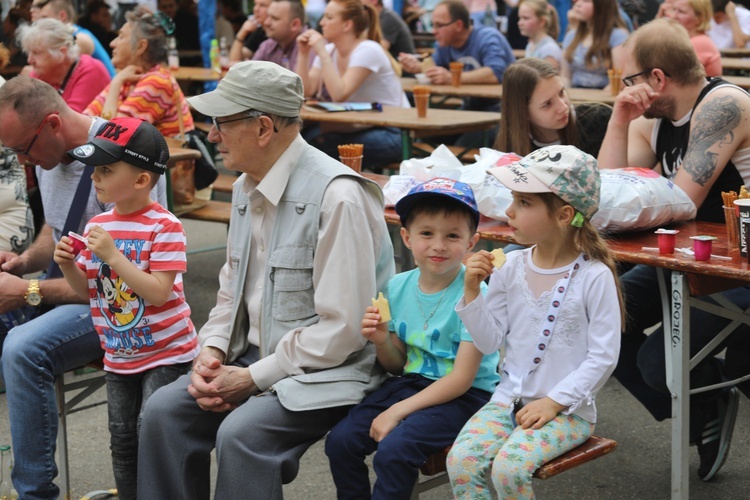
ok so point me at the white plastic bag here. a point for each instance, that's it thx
(397, 187)
(639, 198)
(491, 196)
(441, 163)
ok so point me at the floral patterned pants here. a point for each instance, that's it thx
(489, 448)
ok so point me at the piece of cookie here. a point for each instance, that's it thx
(382, 304)
(499, 257)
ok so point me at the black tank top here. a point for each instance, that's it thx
(671, 145)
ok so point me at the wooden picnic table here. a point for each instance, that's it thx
(439, 122)
(196, 74)
(734, 63)
(495, 91)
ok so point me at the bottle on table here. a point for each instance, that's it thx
(173, 57)
(223, 55)
(214, 56)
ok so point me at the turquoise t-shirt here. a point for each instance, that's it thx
(432, 353)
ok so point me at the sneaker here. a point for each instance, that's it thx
(713, 444)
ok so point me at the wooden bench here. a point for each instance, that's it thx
(223, 183)
(212, 211)
(593, 448)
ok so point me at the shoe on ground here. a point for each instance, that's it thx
(713, 444)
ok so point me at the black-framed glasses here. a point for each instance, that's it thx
(218, 123)
(628, 80)
(437, 26)
(250, 114)
(27, 149)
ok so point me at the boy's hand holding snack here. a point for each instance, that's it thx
(375, 321)
(102, 244)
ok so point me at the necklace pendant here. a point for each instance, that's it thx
(424, 327)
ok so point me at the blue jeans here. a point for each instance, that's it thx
(33, 355)
(126, 397)
(382, 145)
(641, 367)
(404, 449)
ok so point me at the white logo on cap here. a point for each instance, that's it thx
(84, 151)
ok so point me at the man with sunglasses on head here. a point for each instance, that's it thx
(483, 50)
(282, 356)
(693, 131)
(40, 128)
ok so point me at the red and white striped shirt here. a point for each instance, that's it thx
(135, 335)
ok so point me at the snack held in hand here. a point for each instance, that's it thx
(498, 257)
(382, 304)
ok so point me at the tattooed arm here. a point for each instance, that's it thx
(719, 127)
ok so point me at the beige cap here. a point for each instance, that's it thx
(259, 85)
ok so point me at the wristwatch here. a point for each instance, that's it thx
(33, 295)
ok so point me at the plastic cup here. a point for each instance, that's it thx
(743, 208)
(614, 81)
(666, 239)
(353, 162)
(77, 241)
(733, 227)
(422, 101)
(456, 70)
(702, 246)
(746, 232)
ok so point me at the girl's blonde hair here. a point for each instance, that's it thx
(588, 241)
(605, 19)
(546, 12)
(519, 82)
(704, 11)
(364, 17)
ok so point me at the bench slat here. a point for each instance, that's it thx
(212, 211)
(594, 447)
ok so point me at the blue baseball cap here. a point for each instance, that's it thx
(439, 187)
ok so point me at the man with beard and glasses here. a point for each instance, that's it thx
(694, 130)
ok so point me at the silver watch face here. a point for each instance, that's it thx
(34, 299)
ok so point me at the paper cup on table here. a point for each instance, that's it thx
(733, 227)
(421, 100)
(456, 70)
(743, 205)
(614, 80)
(351, 156)
(666, 238)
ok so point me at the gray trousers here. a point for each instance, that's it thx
(258, 445)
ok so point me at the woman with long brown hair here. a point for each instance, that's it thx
(594, 45)
(352, 67)
(536, 110)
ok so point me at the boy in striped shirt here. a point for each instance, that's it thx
(131, 273)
